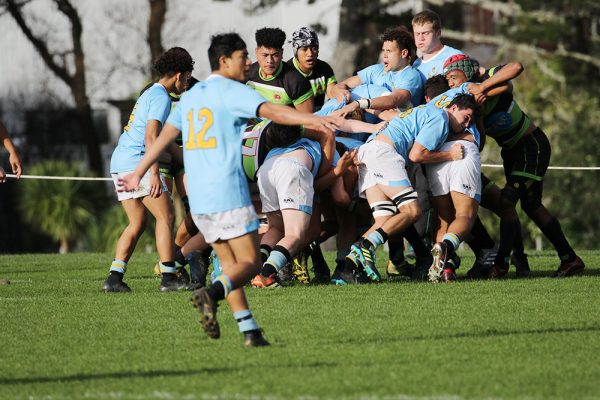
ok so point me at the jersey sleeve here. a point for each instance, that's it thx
(242, 101)
(366, 75)
(490, 72)
(329, 74)
(175, 116)
(433, 133)
(159, 106)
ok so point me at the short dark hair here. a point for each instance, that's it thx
(172, 61)
(272, 38)
(402, 36)
(223, 45)
(465, 101)
(428, 16)
(278, 135)
(435, 86)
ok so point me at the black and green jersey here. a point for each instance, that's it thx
(320, 77)
(286, 87)
(254, 150)
(503, 118)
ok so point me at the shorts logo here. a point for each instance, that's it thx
(378, 175)
(288, 200)
(228, 227)
(467, 187)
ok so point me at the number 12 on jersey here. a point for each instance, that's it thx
(197, 139)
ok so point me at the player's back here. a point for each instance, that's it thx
(430, 124)
(212, 117)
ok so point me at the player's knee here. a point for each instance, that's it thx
(530, 205)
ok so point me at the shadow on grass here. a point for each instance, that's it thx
(488, 333)
(144, 374)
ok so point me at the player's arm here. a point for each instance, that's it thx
(176, 152)
(327, 142)
(420, 154)
(13, 156)
(355, 126)
(289, 116)
(306, 106)
(331, 83)
(168, 134)
(341, 91)
(325, 181)
(500, 77)
(397, 98)
(152, 129)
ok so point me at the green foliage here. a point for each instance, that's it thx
(103, 236)
(63, 209)
(64, 339)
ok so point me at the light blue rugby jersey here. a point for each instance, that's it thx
(312, 148)
(407, 78)
(153, 104)
(426, 125)
(435, 65)
(212, 116)
(444, 99)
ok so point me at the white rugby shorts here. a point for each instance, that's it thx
(462, 176)
(285, 183)
(380, 164)
(226, 225)
(143, 189)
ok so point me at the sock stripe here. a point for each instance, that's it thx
(118, 266)
(226, 282)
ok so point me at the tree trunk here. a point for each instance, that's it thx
(64, 246)
(158, 10)
(355, 47)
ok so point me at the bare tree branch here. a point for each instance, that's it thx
(15, 10)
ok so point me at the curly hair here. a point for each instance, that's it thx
(435, 85)
(172, 61)
(271, 38)
(402, 36)
(223, 45)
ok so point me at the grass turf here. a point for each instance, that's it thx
(63, 338)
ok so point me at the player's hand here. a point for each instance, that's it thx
(128, 183)
(457, 151)
(155, 185)
(15, 164)
(345, 161)
(347, 109)
(477, 92)
(2, 175)
(342, 95)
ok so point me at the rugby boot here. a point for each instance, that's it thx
(364, 258)
(169, 282)
(439, 253)
(403, 271)
(255, 338)
(521, 265)
(208, 312)
(260, 281)
(482, 265)
(448, 275)
(114, 284)
(570, 268)
(300, 268)
(498, 271)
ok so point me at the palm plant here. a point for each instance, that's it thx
(62, 209)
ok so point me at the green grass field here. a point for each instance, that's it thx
(62, 338)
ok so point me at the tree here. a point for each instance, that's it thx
(68, 66)
(158, 10)
(62, 209)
